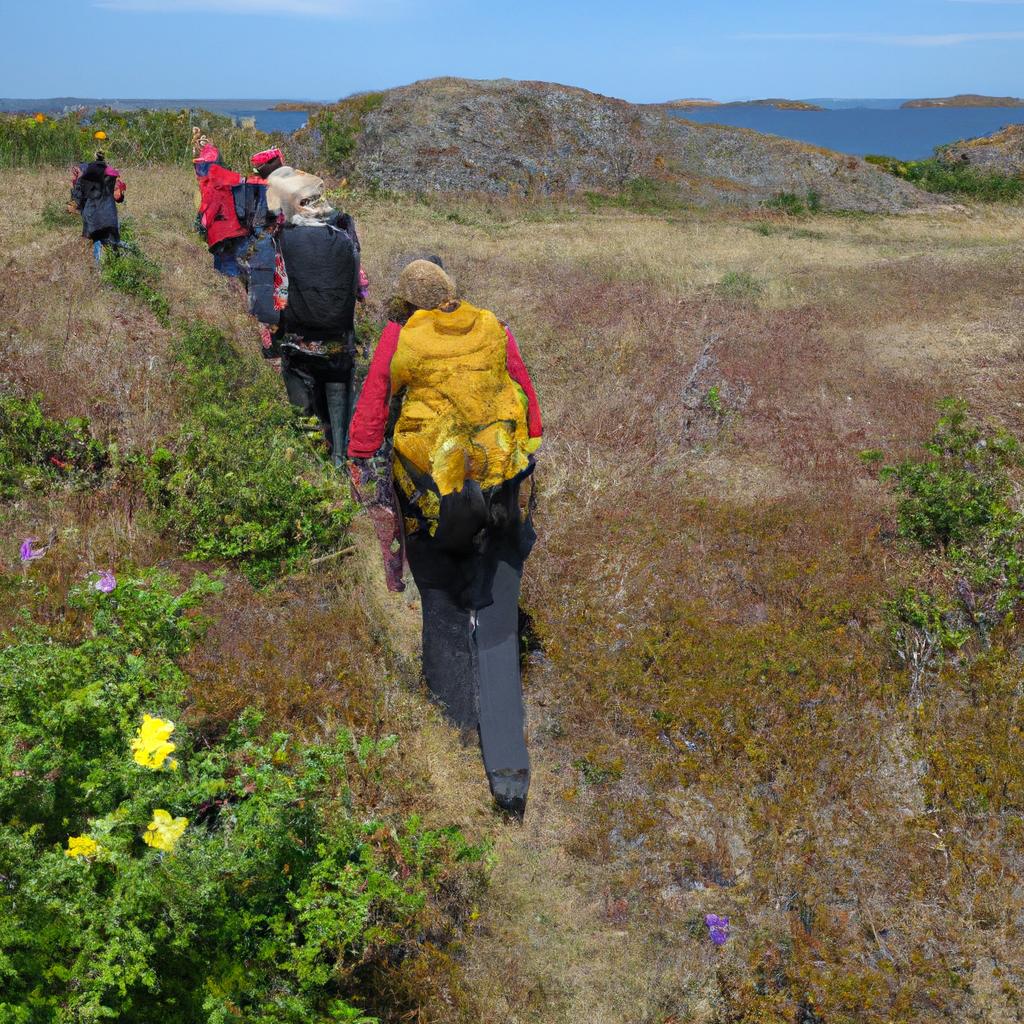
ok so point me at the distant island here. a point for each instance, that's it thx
(965, 100)
(297, 105)
(777, 104)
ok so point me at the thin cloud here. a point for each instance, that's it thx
(305, 8)
(880, 39)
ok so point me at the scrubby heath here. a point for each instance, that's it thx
(133, 137)
(773, 665)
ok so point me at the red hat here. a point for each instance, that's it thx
(259, 159)
(208, 154)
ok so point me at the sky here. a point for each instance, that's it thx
(640, 50)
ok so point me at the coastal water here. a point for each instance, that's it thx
(906, 134)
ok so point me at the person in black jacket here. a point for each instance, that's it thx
(96, 189)
(315, 333)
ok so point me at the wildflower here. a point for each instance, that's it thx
(163, 832)
(151, 747)
(29, 552)
(81, 846)
(106, 583)
(718, 928)
(39, 118)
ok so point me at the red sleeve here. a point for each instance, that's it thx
(370, 420)
(518, 372)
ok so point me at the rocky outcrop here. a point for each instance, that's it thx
(775, 104)
(964, 100)
(533, 138)
(1002, 153)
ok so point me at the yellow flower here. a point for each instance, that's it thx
(163, 832)
(39, 118)
(152, 747)
(81, 846)
(99, 136)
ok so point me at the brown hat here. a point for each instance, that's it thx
(425, 285)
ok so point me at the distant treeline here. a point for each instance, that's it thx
(133, 137)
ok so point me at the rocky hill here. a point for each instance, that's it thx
(964, 100)
(1002, 153)
(534, 138)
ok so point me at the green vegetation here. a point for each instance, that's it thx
(338, 127)
(55, 214)
(237, 481)
(36, 451)
(133, 137)
(739, 286)
(128, 269)
(795, 205)
(641, 195)
(937, 175)
(239, 879)
(960, 503)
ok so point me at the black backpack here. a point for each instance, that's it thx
(322, 263)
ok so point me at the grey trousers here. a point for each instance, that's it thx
(471, 663)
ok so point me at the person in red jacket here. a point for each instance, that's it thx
(449, 483)
(224, 231)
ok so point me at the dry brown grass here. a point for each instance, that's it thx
(721, 570)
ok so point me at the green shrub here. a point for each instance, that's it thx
(793, 204)
(237, 481)
(36, 451)
(55, 214)
(271, 895)
(943, 176)
(960, 488)
(134, 137)
(739, 285)
(336, 129)
(641, 195)
(128, 269)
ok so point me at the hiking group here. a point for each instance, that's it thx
(439, 446)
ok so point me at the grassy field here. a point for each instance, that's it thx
(720, 718)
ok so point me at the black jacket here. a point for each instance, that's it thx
(93, 194)
(322, 263)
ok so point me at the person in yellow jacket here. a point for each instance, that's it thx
(446, 487)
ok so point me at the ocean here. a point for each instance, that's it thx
(860, 130)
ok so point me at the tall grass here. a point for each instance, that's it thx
(133, 137)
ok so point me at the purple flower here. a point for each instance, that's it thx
(718, 928)
(106, 583)
(28, 552)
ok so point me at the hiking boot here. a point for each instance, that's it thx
(509, 790)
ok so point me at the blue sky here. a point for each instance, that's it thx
(642, 50)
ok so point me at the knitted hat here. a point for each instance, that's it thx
(264, 157)
(425, 285)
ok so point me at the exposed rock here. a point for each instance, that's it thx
(534, 138)
(1002, 153)
(777, 104)
(964, 100)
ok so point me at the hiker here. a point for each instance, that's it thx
(266, 162)
(316, 287)
(96, 189)
(459, 461)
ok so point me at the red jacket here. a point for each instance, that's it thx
(217, 207)
(370, 420)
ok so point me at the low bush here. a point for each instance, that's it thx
(793, 204)
(641, 195)
(739, 285)
(334, 131)
(959, 503)
(149, 873)
(133, 137)
(237, 481)
(36, 451)
(128, 269)
(938, 175)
